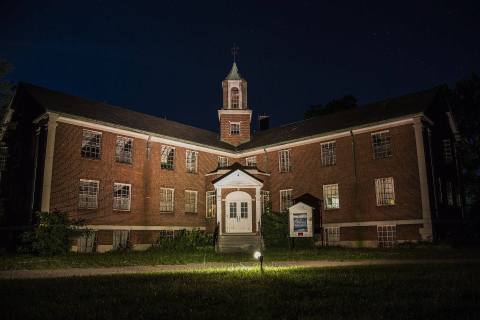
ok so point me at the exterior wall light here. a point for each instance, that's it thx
(258, 255)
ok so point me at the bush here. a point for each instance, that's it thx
(185, 240)
(51, 234)
(275, 230)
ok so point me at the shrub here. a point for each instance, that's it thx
(275, 230)
(185, 240)
(51, 234)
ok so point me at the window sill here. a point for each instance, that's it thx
(121, 210)
(192, 172)
(124, 163)
(386, 205)
(167, 212)
(94, 159)
(331, 209)
(169, 169)
(191, 212)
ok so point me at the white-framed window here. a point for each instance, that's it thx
(329, 153)
(244, 209)
(86, 242)
(166, 199)
(88, 194)
(285, 199)
(190, 201)
(381, 144)
(191, 158)
(331, 198)
(122, 196)
(251, 161)
(167, 158)
(332, 236)
(222, 162)
(385, 191)
(211, 204)
(166, 234)
(233, 209)
(447, 150)
(91, 144)
(449, 190)
(234, 128)
(387, 236)
(235, 98)
(265, 200)
(123, 150)
(284, 161)
(120, 239)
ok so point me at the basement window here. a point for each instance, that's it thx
(123, 150)
(332, 236)
(387, 236)
(120, 239)
(121, 196)
(91, 144)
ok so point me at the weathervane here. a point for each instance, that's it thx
(235, 51)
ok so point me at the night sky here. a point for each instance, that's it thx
(168, 58)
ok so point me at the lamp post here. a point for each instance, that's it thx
(258, 255)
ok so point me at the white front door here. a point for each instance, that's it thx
(238, 215)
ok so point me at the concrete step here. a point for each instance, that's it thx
(239, 243)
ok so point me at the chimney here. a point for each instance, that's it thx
(263, 122)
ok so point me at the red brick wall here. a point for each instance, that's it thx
(244, 135)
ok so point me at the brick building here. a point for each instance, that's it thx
(383, 173)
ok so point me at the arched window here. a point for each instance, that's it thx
(235, 99)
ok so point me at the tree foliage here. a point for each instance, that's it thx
(6, 87)
(344, 103)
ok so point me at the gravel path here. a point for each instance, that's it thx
(83, 272)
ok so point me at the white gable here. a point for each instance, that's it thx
(300, 207)
(238, 178)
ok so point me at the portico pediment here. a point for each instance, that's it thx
(237, 178)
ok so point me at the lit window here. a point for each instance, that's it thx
(120, 239)
(244, 209)
(234, 128)
(191, 161)
(330, 196)
(381, 145)
(449, 190)
(332, 236)
(166, 199)
(222, 162)
(265, 198)
(233, 209)
(329, 153)
(385, 191)
(167, 160)
(121, 196)
(447, 150)
(123, 150)
(211, 204)
(88, 196)
(284, 161)
(91, 144)
(190, 201)
(251, 161)
(285, 199)
(235, 98)
(387, 236)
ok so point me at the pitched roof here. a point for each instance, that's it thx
(376, 112)
(234, 167)
(62, 103)
(234, 74)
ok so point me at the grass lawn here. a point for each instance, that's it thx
(156, 257)
(433, 291)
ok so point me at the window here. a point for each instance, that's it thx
(222, 162)
(233, 209)
(381, 145)
(385, 191)
(244, 209)
(387, 236)
(284, 160)
(235, 98)
(166, 234)
(251, 161)
(330, 196)
(329, 153)
(332, 236)
(3, 158)
(211, 204)
(91, 144)
(120, 239)
(166, 199)
(191, 161)
(190, 201)
(121, 196)
(88, 196)
(447, 150)
(265, 199)
(123, 150)
(234, 128)
(449, 190)
(167, 158)
(285, 199)
(85, 242)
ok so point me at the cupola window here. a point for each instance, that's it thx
(235, 99)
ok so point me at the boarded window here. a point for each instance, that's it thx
(91, 144)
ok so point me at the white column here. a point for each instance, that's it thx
(48, 168)
(258, 211)
(219, 209)
(426, 231)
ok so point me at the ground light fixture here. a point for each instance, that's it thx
(259, 256)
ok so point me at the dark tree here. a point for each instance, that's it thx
(344, 103)
(6, 87)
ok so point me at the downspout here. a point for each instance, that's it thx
(432, 169)
(355, 185)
